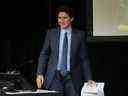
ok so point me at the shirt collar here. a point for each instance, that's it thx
(68, 30)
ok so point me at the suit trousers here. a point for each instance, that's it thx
(63, 84)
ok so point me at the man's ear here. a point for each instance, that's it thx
(72, 19)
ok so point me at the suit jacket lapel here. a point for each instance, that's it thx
(73, 46)
(57, 39)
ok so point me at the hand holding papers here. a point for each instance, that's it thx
(97, 90)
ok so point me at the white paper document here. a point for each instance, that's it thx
(97, 90)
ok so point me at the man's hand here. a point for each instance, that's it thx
(91, 83)
(39, 81)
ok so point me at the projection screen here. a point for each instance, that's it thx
(110, 17)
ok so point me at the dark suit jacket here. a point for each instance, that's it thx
(80, 67)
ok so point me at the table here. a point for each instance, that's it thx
(38, 92)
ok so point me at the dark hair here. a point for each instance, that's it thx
(66, 9)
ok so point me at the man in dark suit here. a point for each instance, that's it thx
(64, 66)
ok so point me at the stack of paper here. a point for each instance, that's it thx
(97, 90)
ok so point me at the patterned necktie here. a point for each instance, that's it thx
(63, 69)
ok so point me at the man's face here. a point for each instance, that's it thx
(64, 20)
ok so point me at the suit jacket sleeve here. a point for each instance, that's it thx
(44, 56)
(86, 68)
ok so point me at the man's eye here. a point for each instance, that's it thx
(59, 17)
(62, 17)
(65, 17)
